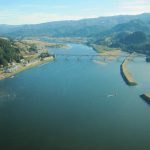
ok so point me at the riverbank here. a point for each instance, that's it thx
(127, 76)
(22, 68)
(45, 44)
(110, 53)
(31, 51)
(77, 40)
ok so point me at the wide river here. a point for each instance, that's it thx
(75, 104)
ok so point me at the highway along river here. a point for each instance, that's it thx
(75, 104)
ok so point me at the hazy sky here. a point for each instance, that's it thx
(37, 11)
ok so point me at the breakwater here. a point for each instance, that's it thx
(127, 76)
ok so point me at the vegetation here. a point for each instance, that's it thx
(33, 48)
(128, 41)
(17, 56)
(134, 42)
(95, 27)
(8, 52)
(130, 33)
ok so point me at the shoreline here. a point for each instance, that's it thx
(114, 53)
(110, 53)
(45, 44)
(23, 68)
(35, 61)
(127, 76)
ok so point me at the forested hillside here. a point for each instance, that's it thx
(128, 41)
(130, 33)
(8, 52)
(81, 28)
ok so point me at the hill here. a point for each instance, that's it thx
(128, 32)
(137, 41)
(81, 28)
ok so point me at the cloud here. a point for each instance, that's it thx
(34, 14)
(120, 7)
(135, 6)
(34, 18)
(4, 14)
(37, 6)
(132, 7)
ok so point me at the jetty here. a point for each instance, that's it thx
(146, 97)
(127, 76)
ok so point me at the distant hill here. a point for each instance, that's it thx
(81, 28)
(128, 32)
(137, 41)
(134, 25)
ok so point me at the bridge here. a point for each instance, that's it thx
(96, 55)
(103, 57)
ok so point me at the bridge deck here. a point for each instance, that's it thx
(95, 55)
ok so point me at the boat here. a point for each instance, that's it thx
(111, 95)
(12, 77)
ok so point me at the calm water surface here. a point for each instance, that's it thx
(66, 105)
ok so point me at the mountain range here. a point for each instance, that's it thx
(130, 33)
(94, 27)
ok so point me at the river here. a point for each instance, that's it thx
(75, 104)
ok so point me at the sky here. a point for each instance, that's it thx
(17, 12)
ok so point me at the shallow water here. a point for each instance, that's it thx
(75, 104)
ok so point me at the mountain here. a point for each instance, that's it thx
(128, 32)
(81, 28)
(8, 28)
(134, 25)
(137, 41)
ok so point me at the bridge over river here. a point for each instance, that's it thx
(103, 57)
